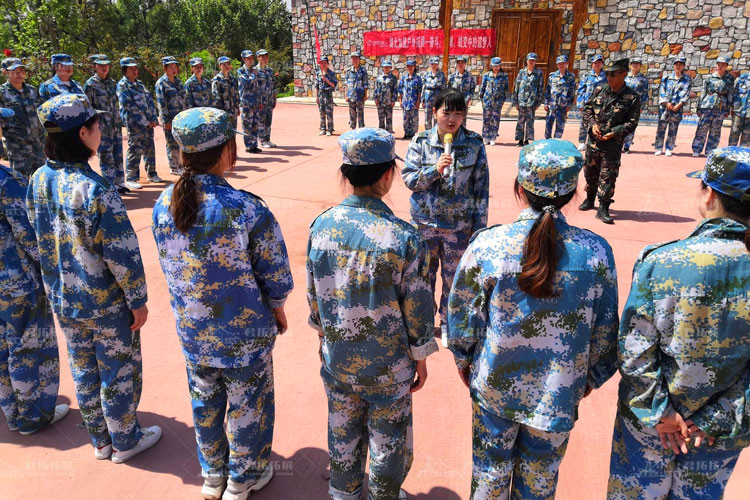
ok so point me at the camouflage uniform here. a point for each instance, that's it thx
(409, 90)
(531, 360)
(616, 112)
(586, 86)
(369, 297)
(432, 84)
(103, 95)
(386, 92)
(228, 352)
(198, 93)
(29, 362)
(170, 100)
(23, 134)
(250, 100)
(674, 91)
(741, 107)
(639, 84)
(447, 209)
(559, 96)
(267, 88)
(493, 93)
(226, 96)
(714, 105)
(93, 276)
(464, 83)
(527, 95)
(356, 86)
(683, 347)
(54, 86)
(137, 111)
(325, 99)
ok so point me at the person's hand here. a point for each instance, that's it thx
(139, 318)
(421, 376)
(609, 136)
(673, 432)
(468, 104)
(546, 108)
(444, 162)
(700, 436)
(596, 131)
(377, 102)
(153, 124)
(167, 126)
(393, 104)
(320, 348)
(281, 323)
(465, 375)
(677, 107)
(317, 100)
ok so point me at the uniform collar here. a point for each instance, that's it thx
(57, 81)
(531, 214)
(210, 179)
(366, 202)
(82, 165)
(721, 227)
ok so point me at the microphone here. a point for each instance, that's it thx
(448, 141)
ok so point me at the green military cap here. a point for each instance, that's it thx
(99, 59)
(618, 65)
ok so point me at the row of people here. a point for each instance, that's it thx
(371, 279)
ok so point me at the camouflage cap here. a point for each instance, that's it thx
(199, 129)
(411, 62)
(496, 61)
(549, 168)
(126, 62)
(619, 65)
(722, 59)
(324, 59)
(99, 59)
(681, 59)
(6, 113)
(65, 111)
(434, 60)
(11, 63)
(262, 52)
(247, 53)
(353, 54)
(195, 61)
(223, 59)
(596, 57)
(531, 56)
(636, 59)
(461, 59)
(727, 171)
(386, 63)
(367, 146)
(62, 59)
(169, 60)
(562, 59)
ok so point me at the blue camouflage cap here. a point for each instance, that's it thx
(532, 56)
(722, 59)
(562, 59)
(169, 60)
(387, 63)
(127, 62)
(62, 59)
(727, 171)
(99, 59)
(461, 59)
(196, 61)
(65, 111)
(549, 168)
(496, 61)
(262, 52)
(324, 59)
(223, 59)
(11, 63)
(6, 113)
(355, 54)
(596, 57)
(247, 53)
(367, 146)
(681, 59)
(434, 60)
(636, 59)
(411, 62)
(199, 129)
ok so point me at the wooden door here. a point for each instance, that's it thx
(520, 31)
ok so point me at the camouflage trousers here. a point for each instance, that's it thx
(600, 169)
(356, 114)
(362, 417)
(641, 468)
(140, 144)
(173, 153)
(25, 157)
(503, 450)
(105, 360)
(491, 122)
(429, 113)
(265, 117)
(525, 121)
(250, 117)
(29, 368)
(583, 129)
(669, 119)
(325, 107)
(246, 396)
(556, 116)
(708, 125)
(385, 118)
(740, 131)
(446, 248)
(628, 140)
(110, 157)
(411, 122)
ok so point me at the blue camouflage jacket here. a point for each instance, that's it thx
(494, 89)
(24, 127)
(639, 83)
(137, 108)
(249, 87)
(717, 93)
(170, 98)
(54, 86)
(529, 89)
(684, 344)
(741, 95)
(198, 93)
(409, 89)
(386, 89)
(356, 83)
(464, 83)
(675, 91)
(225, 275)
(266, 85)
(457, 202)
(369, 293)
(226, 94)
(103, 96)
(322, 86)
(90, 260)
(532, 359)
(561, 90)
(20, 279)
(432, 84)
(586, 86)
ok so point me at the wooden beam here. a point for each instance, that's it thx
(446, 18)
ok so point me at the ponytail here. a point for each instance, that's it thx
(542, 249)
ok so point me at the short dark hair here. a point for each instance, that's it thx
(363, 176)
(450, 99)
(67, 146)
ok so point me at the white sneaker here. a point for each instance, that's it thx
(696, 155)
(668, 153)
(103, 453)
(492, 143)
(328, 133)
(241, 491)
(60, 411)
(402, 495)
(581, 146)
(486, 142)
(151, 436)
(271, 144)
(132, 185)
(322, 132)
(12, 428)
(657, 152)
(154, 178)
(213, 487)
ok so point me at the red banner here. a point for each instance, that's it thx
(429, 42)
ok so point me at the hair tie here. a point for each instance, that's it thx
(550, 209)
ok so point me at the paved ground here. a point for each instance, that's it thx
(654, 202)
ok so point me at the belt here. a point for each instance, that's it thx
(432, 88)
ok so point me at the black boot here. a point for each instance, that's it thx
(589, 203)
(603, 213)
(519, 143)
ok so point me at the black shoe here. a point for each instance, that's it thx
(519, 144)
(248, 150)
(626, 150)
(588, 204)
(525, 143)
(123, 190)
(256, 150)
(603, 213)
